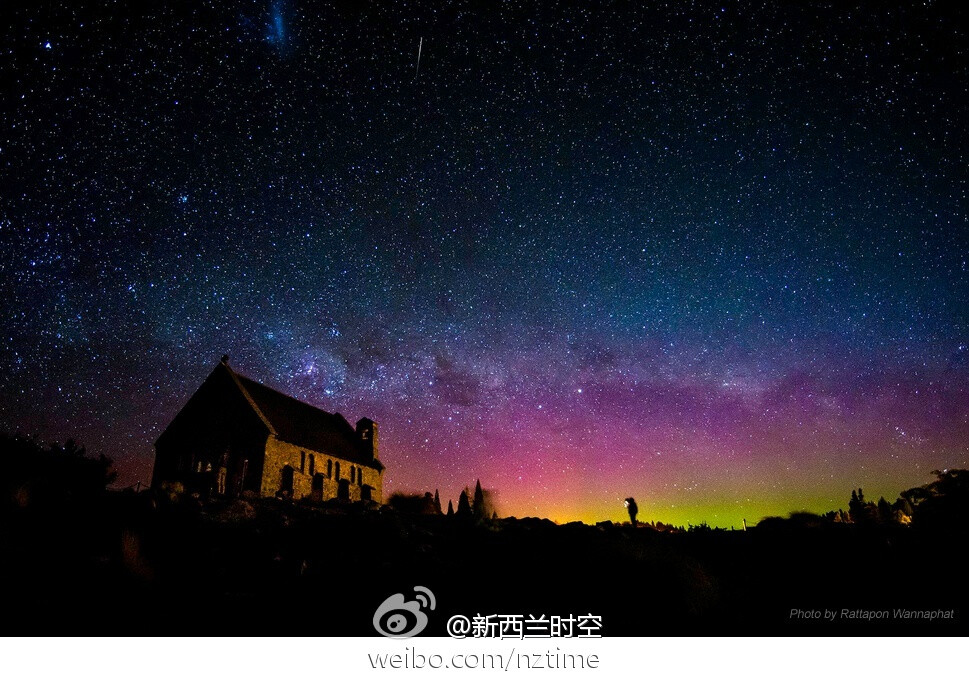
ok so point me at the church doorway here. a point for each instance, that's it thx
(286, 481)
(316, 491)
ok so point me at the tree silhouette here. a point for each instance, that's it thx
(450, 509)
(942, 505)
(58, 475)
(903, 511)
(884, 512)
(437, 502)
(858, 509)
(478, 507)
(464, 507)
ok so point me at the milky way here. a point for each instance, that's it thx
(710, 255)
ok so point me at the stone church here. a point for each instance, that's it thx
(236, 435)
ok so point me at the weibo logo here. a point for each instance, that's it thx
(400, 618)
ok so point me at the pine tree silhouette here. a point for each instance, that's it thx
(885, 512)
(464, 507)
(857, 508)
(478, 507)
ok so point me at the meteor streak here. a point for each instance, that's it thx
(419, 46)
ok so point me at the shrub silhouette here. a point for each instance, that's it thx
(942, 505)
(35, 476)
(412, 503)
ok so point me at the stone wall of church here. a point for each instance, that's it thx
(306, 463)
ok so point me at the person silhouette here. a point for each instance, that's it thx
(633, 509)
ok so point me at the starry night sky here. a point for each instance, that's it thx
(711, 255)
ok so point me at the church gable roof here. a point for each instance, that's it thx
(303, 425)
(219, 405)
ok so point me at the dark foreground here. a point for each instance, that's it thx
(138, 566)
